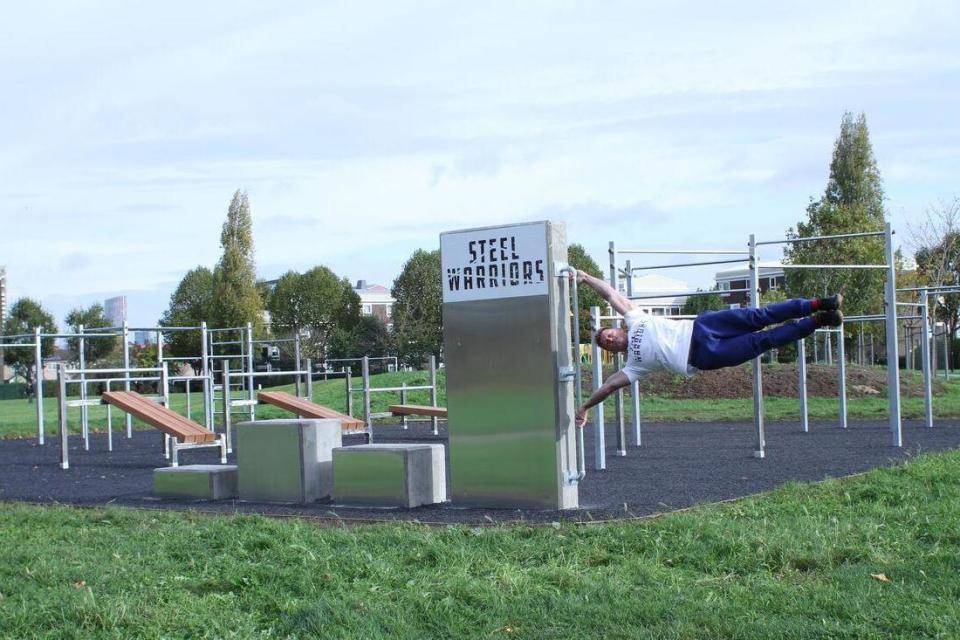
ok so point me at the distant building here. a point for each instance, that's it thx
(375, 300)
(116, 310)
(143, 338)
(731, 280)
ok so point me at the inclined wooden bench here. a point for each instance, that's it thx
(417, 410)
(307, 409)
(183, 432)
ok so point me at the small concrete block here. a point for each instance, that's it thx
(286, 460)
(388, 475)
(438, 462)
(209, 481)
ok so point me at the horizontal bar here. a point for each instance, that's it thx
(688, 294)
(16, 336)
(80, 335)
(84, 403)
(180, 359)
(813, 238)
(418, 388)
(112, 380)
(265, 374)
(703, 252)
(14, 345)
(185, 378)
(243, 403)
(835, 266)
(222, 329)
(220, 344)
(933, 289)
(687, 264)
(864, 318)
(131, 370)
(909, 304)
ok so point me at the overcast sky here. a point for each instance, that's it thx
(363, 130)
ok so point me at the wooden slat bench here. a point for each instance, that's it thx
(417, 410)
(306, 409)
(156, 415)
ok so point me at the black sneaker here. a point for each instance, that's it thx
(832, 318)
(833, 303)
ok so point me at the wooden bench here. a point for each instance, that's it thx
(307, 409)
(417, 410)
(156, 415)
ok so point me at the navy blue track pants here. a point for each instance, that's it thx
(733, 336)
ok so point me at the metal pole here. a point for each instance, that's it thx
(759, 449)
(860, 351)
(84, 414)
(925, 358)
(309, 380)
(842, 373)
(600, 453)
(226, 406)
(38, 381)
(434, 421)
(296, 357)
(635, 386)
(403, 400)
(347, 378)
(62, 414)
(946, 350)
(207, 379)
(893, 371)
(828, 347)
(618, 363)
(251, 392)
(126, 376)
(109, 423)
(802, 384)
(365, 369)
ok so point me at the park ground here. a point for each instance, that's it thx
(871, 556)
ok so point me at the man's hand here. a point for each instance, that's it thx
(580, 418)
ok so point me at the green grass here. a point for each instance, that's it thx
(796, 563)
(18, 418)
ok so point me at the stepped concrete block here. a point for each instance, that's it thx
(389, 475)
(207, 481)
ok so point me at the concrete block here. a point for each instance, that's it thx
(286, 460)
(209, 481)
(388, 475)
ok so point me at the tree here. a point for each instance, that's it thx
(418, 310)
(852, 202)
(93, 317)
(313, 305)
(695, 305)
(369, 337)
(190, 305)
(24, 316)
(578, 258)
(236, 298)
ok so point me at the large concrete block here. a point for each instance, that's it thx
(389, 475)
(209, 481)
(286, 460)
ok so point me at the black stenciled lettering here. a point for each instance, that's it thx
(503, 248)
(494, 276)
(481, 279)
(514, 273)
(492, 252)
(453, 279)
(472, 248)
(467, 278)
(527, 272)
(513, 247)
(539, 270)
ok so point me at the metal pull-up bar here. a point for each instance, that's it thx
(838, 236)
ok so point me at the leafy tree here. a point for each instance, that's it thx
(93, 317)
(145, 355)
(695, 305)
(417, 312)
(24, 315)
(313, 305)
(369, 337)
(190, 304)
(852, 202)
(936, 241)
(579, 259)
(236, 299)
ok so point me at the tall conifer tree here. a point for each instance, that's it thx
(236, 299)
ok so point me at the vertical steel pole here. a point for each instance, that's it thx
(347, 378)
(365, 369)
(296, 357)
(600, 453)
(309, 382)
(946, 351)
(403, 400)
(434, 421)
(828, 346)
(207, 379)
(893, 359)
(84, 414)
(925, 358)
(860, 352)
(842, 374)
(618, 363)
(227, 417)
(251, 392)
(759, 450)
(109, 423)
(62, 414)
(38, 381)
(802, 384)
(126, 373)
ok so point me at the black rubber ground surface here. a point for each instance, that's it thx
(679, 465)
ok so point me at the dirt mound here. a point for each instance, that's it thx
(779, 381)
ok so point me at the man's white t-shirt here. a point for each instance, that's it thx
(654, 342)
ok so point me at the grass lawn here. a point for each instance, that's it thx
(876, 556)
(17, 417)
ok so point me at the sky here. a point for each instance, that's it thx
(362, 130)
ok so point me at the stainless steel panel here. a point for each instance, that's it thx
(213, 482)
(510, 418)
(370, 477)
